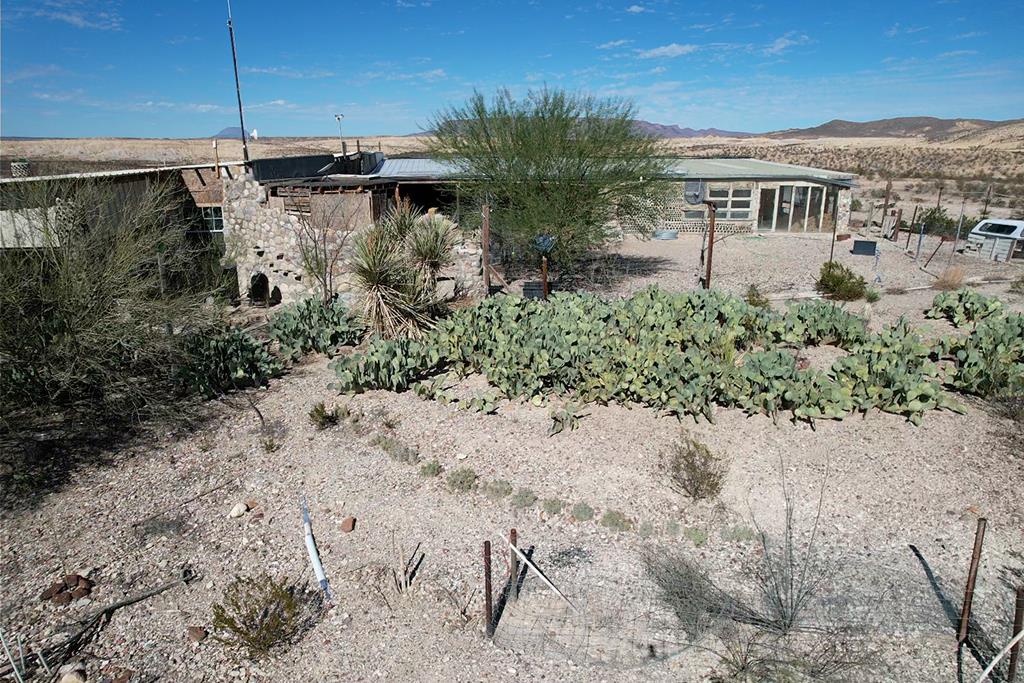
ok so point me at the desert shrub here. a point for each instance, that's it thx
(739, 534)
(100, 312)
(431, 245)
(582, 512)
(524, 498)
(755, 298)
(554, 163)
(838, 282)
(1017, 286)
(396, 450)
(950, 279)
(430, 469)
(553, 506)
(225, 361)
(497, 489)
(322, 418)
(645, 530)
(989, 361)
(896, 290)
(396, 300)
(872, 295)
(566, 417)
(314, 325)
(696, 535)
(692, 468)
(856, 205)
(263, 613)
(462, 480)
(616, 521)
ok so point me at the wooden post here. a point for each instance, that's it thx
(544, 275)
(910, 228)
(1018, 624)
(488, 613)
(832, 249)
(885, 206)
(711, 245)
(896, 225)
(514, 563)
(485, 246)
(216, 157)
(972, 576)
(344, 148)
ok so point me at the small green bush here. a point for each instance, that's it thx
(1017, 286)
(694, 469)
(553, 506)
(497, 489)
(323, 418)
(462, 480)
(226, 361)
(524, 498)
(616, 521)
(260, 614)
(672, 528)
(695, 535)
(397, 450)
(739, 534)
(645, 530)
(755, 298)
(582, 512)
(838, 282)
(872, 295)
(431, 469)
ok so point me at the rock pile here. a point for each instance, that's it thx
(71, 587)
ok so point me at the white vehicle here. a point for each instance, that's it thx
(998, 239)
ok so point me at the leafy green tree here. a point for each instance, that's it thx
(552, 163)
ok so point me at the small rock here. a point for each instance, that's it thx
(71, 581)
(251, 503)
(62, 598)
(84, 582)
(52, 591)
(238, 510)
(72, 677)
(196, 634)
(79, 593)
(348, 524)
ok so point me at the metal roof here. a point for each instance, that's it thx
(705, 169)
(121, 172)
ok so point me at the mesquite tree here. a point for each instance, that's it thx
(552, 163)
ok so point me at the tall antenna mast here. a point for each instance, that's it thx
(238, 87)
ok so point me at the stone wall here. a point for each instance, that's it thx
(262, 238)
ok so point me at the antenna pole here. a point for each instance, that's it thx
(238, 87)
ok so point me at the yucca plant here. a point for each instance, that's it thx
(431, 244)
(396, 300)
(400, 220)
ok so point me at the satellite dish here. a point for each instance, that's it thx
(693, 192)
(255, 134)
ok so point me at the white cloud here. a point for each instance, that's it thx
(287, 72)
(77, 13)
(33, 71)
(971, 34)
(670, 50)
(783, 43)
(957, 53)
(613, 44)
(637, 9)
(898, 29)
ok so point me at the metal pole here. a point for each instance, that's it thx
(910, 228)
(711, 245)
(832, 249)
(1018, 624)
(920, 240)
(514, 590)
(485, 246)
(488, 620)
(959, 225)
(988, 197)
(238, 87)
(544, 275)
(972, 576)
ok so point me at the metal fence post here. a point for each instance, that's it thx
(972, 575)
(488, 612)
(514, 589)
(1018, 624)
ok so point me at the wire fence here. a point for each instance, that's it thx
(623, 616)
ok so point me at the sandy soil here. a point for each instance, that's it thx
(128, 522)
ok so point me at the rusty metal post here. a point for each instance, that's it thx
(488, 613)
(485, 246)
(832, 249)
(711, 244)
(513, 538)
(910, 229)
(972, 576)
(1018, 624)
(544, 275)
(942, 240)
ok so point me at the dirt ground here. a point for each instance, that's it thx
(898, 514)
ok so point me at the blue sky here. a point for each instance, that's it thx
(142, 68)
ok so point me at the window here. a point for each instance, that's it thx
(213, 218)
(693, 214)
(741, 203)
(997, 229)
(741, 193)
(718, 192)
(727, 198)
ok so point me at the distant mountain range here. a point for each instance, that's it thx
(230, 133)
(660, 130)
(927, 127)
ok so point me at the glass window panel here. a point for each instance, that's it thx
(693, 214)
(741, 193)
(741, 203)
(741, 215)
(718, 192)
(767, 209)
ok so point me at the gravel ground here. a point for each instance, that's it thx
(780, 265)
(129, 524)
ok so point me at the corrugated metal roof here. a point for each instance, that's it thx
(119, 172)
(710, 169)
